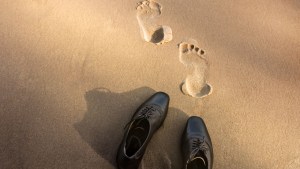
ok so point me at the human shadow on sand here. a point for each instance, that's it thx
(102, 127)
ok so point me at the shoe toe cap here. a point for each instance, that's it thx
(160, 99)
(196, 125)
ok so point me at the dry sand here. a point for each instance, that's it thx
(73, 72)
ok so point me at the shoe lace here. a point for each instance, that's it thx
(198, 144)
(146, 113)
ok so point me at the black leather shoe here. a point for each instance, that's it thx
(138, 132)
(196, 145)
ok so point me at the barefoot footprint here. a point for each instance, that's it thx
(148, 12)
(194, 58)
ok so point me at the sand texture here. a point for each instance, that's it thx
(73, 72)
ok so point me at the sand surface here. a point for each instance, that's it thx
(73, 72)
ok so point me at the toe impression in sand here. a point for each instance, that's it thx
(195, 84)
(148, 12)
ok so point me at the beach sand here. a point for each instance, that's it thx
(73, 72)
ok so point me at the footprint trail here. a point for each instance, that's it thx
(148, 12)
(194, 58)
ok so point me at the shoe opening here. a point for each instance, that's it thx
(137, 136)
(198, 162)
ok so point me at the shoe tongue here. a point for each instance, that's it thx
(138, 123)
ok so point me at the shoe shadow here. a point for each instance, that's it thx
(108, 113)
